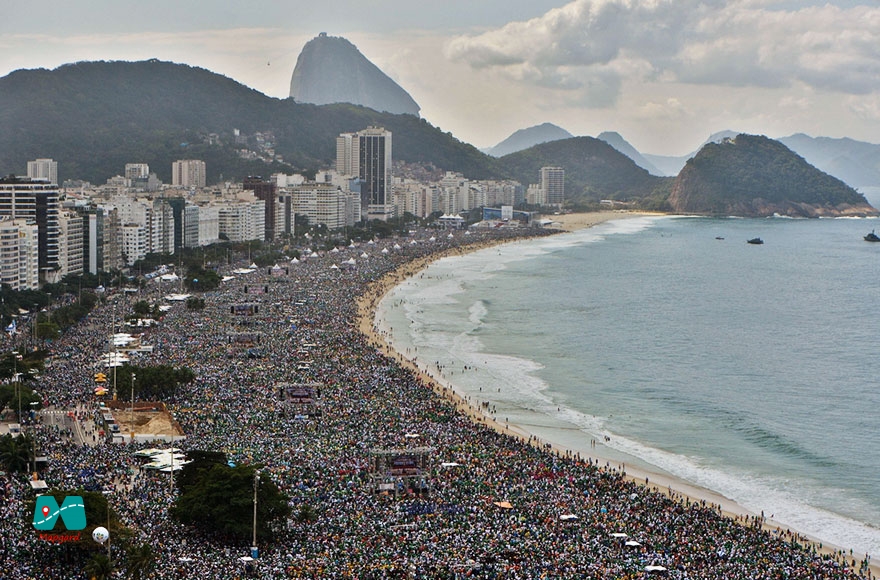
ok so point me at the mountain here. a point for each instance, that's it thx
(618, 142)
(593, 171)
(672, 164)
(331, 69)
(855, 162)
(94, 117)
(753, 176)
(525, 138)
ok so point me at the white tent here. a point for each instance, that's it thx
(396, 246)
(334, 251)
(334, 267)
(364, 255)
(294, 261)
(654, 568)
(350, 262)
(632, 543)
(567, 517)
(384, 250)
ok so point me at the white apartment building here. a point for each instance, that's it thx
(135, 171)
(19, 262)
(43, 170)
(188, 173)
(134, 242)
(70, 243)
(242, 220)
(325, 203)
(553, 184)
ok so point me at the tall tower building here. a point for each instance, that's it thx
(264, 190)
(374, 171)
(43, 169)
(37, 201)
(347, 154)
(553, 184)
(188, 173)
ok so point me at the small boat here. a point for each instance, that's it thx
(872, 237)
(718, 238)
(756, 241)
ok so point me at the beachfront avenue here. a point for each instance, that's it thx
(502, 507)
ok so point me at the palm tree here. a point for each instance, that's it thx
(100, 567)
(15, 452)
(140, 560)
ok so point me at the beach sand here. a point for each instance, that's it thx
(657, 481)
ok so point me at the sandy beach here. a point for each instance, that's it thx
(655, 480)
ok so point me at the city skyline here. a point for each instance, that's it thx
(663, 74)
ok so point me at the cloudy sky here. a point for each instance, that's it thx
(663, 73)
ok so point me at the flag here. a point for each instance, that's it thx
(11, 328)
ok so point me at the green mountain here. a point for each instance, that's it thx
(94, 117)
(594, 170)
(754, 176)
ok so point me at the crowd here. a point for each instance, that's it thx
(495, 510)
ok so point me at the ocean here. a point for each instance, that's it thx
(749, 370)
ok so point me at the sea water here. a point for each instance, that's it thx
(750, 370)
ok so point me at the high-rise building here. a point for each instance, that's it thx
(70, 254)
(188, 173)
(43, 170)
(136, 171)
(553, 184)
(264, 190)
(19, 264)
(347, 154)
(367, 155)
(21, 197)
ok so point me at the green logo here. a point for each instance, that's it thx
(72, 512)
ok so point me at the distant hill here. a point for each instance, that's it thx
(94, 117)
(671, 164)
(618, 142)
(331, 69)
(855, 162)
(593, 171)
(754, 176)
(525, 138)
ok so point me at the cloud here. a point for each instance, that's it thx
(745, 43)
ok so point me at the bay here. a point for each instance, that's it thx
(746, 369)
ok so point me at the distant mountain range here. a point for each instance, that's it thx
(525, 138)
(94, 117)
(330, 69)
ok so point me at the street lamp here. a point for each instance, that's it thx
(256, 484)
(131, 413)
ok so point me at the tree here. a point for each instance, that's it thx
(16, 452)
(221, 499)
(140, 560)
(195, 303)
(152, 382)
(99, 567)
(18, 396)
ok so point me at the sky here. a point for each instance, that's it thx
(665, 74)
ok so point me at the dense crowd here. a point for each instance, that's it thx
(493, 512)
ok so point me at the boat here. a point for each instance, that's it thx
(756, 241)
(872, 237)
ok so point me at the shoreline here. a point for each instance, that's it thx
(653, 480)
